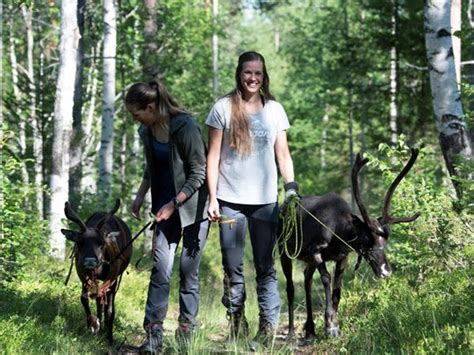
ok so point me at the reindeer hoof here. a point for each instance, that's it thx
(333, 332)
(290, 336)
(308, 339)
(93, 324)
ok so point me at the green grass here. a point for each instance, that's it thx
(401, 315)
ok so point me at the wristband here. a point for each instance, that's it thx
(177, 203)
(293, 185)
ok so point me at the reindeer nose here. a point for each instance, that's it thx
(90, 263)
(386, 271)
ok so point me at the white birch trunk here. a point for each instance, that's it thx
(454, 140)
(63, 124)
(19, 112)
(394, 78)
(89, 182)
(456, 26)
(215, 49)
(35, 124)
(150, 48)
(108, 99)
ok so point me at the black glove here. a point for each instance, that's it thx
(291, 193)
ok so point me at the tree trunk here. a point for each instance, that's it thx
(18, 99)
(455, 27)
(108, 100)
(349, 91)
(470, 76)
(75, 175)
(150, 28)
(394, 76)
(215, 48)
(63, 124)
(454, 140)
(35, 124)
(89, 182)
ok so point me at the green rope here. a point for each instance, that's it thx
(292, 225)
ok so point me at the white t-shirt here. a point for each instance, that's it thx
(249, 179)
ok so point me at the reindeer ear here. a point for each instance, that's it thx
(73, 236)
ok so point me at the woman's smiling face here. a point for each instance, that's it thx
(251, 77)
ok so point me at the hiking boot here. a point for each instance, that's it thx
(184, 334)
(239, 328)
(153, 343)
(264, 337)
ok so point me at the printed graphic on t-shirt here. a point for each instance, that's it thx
(260, 136)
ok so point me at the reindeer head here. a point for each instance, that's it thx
(373, 233)
(89, 240)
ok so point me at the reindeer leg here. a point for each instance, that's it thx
(92, 322)
(337, 285)
(287, 268)
(332, 327)
(109, 313)
(99, 308)
(308, 281)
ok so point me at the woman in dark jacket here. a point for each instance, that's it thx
(175, 171)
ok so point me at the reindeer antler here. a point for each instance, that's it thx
(386, 218)
(116, 207)
(109, 214)
(359, 163)
(72, 216)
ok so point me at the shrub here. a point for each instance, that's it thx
(24, 234)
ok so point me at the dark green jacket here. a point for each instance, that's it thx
(188, 166)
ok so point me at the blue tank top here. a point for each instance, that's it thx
(161, 154)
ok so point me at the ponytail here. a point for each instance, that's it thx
(140, 95)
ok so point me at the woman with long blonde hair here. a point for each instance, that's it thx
(247, 130)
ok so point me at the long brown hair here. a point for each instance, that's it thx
(240, 138)
(140, 95)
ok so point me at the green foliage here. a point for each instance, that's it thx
(438, 239)
(23, 235)
(433, 316)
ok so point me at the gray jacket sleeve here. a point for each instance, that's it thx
(193, 153)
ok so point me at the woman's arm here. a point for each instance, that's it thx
(139, 197)
(213, 157)
(285, 163)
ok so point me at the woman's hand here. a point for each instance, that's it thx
(213, 210)
(165, 212)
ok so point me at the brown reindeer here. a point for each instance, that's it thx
(330, 231)
(101, 258)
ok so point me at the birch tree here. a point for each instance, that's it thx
(108, 99)
(394, 75)
(33, 119)
(63, 123)
(17, 94)
(150, 49)
(215, 48)
(75, 175)
(449, 115)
